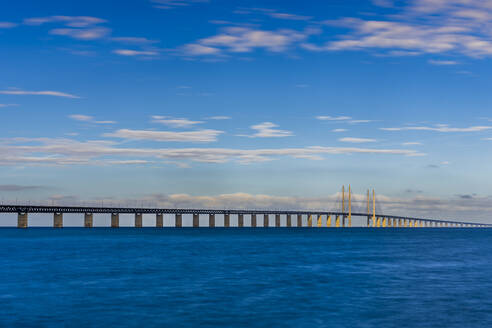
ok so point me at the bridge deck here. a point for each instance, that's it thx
(135, 210)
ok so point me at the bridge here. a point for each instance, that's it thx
(304, 218)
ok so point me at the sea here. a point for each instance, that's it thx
(245, 277)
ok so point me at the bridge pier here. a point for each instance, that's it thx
(253, 220)
(88, 220)
(115, 220)
(178, 220)
(319, 221)
(138, 220)
(310, 221)
(289, 221)
(337, 222)
(299, 220)
(328, 221)
(265, 221)
(196, 220)
(240, 220)
(211, 220)
(22, 220)
(277, 220)
(227, 220)
(159, 220)
(58, 220)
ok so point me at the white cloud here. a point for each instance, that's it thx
(268, 130)
(8, 105)
(333, 118)
(49, 151)
(77, 27)
(420, 27)
(356, 140)
(174, 122)
(72, 21)
(346, 119)
(82, 34)
(133, 40)
(38, 93)
(80, 117)
(129, 52)
(244, 40)
(188, 136)
(288, 16)
(339, 130)
(170, 4)
(7, 25)
(439, 128)
(219, 118)
(412, 143)
(443, 62)
(89, 119)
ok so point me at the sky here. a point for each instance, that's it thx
(248, 104)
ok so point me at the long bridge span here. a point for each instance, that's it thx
(336, 219)
(304, 218)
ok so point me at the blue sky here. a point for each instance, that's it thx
(268, 103)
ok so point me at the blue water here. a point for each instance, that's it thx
(245, 277)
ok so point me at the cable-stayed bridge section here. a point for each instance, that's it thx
(341, 218)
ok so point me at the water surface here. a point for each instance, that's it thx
(75, 277)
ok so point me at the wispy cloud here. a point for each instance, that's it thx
(439, 128)
(38, 93)
(88, 119)
(219, 118)
(243, 40)
(339, 130)
(412, 143)
(77, 27)
(174, 122)
(82, 34)
(171, 4)
(346, 119)
(8, 105)
(72, 21)
(49, 151)
(134, 40)
(287, 16)
(268, 130)
(15, 188)
(333, 118)
(443, 62)
(356, 140)
(419, 27)
(167, 136)
(7, 25)
(131, 53)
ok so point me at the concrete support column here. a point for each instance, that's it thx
(196, 220)
(211, 220)
(277, 220)
(289, 221)
(299, 220)
(240, 220)
(178, 220)
(22, 220)
(253, 220)
(265, 221)
(88, 220)
(159, 220)
(227, 220)
(115, 220)
(58, 220)
(138, 220)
